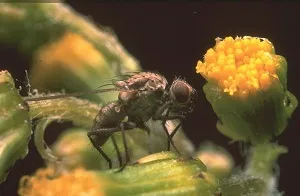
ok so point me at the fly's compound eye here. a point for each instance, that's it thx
(181, 91)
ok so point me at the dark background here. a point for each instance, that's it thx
(171, 38)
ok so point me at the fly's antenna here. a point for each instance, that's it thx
(70, 94)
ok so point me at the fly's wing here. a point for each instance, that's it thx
(144, 81)
(59, 96)
(117, 79)
(138, 81)
(99, 89)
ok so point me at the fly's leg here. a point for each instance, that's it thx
(170, 136)
(175, 130)
(99, 133)
(126, 126)
(173, 117)
(127, 159)
(164, 123)
(164, 117)
(117, 149)
(148, 134)
(106, 122)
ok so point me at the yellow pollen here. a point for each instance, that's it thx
(220, 47)
(240, 66)
(237, 45)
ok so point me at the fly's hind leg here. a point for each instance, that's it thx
(117, 149)
(106, 122)
(126, 126)
(103, 133)
(94, 134)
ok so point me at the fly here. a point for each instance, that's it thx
(142, 96)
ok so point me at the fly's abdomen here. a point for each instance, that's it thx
(107, 121)
(110, 116)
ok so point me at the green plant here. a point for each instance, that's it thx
(58, 63)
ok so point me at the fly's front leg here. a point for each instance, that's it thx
(174, 117)
(164, 117)
(170, 136)
(148, 134)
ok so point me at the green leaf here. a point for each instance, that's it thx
(15, 129)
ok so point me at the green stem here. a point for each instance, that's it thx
(41, 146)
(262, 159)
(80, 112)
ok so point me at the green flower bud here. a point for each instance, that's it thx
(247, 88)
(74, 63)
(161, 174)
(69, 51)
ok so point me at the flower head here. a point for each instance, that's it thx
(247, 88)
(240, 66)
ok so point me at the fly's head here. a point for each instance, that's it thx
(182, 96)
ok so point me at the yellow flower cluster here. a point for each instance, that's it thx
(71, 50)
(240, 66)
(77, 182)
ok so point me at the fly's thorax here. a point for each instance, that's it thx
(182, 96)
(125, 97)
(145, 106)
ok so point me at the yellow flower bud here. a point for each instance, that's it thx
(241, 55)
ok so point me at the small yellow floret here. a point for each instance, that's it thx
(240, 66)
(77, 182)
